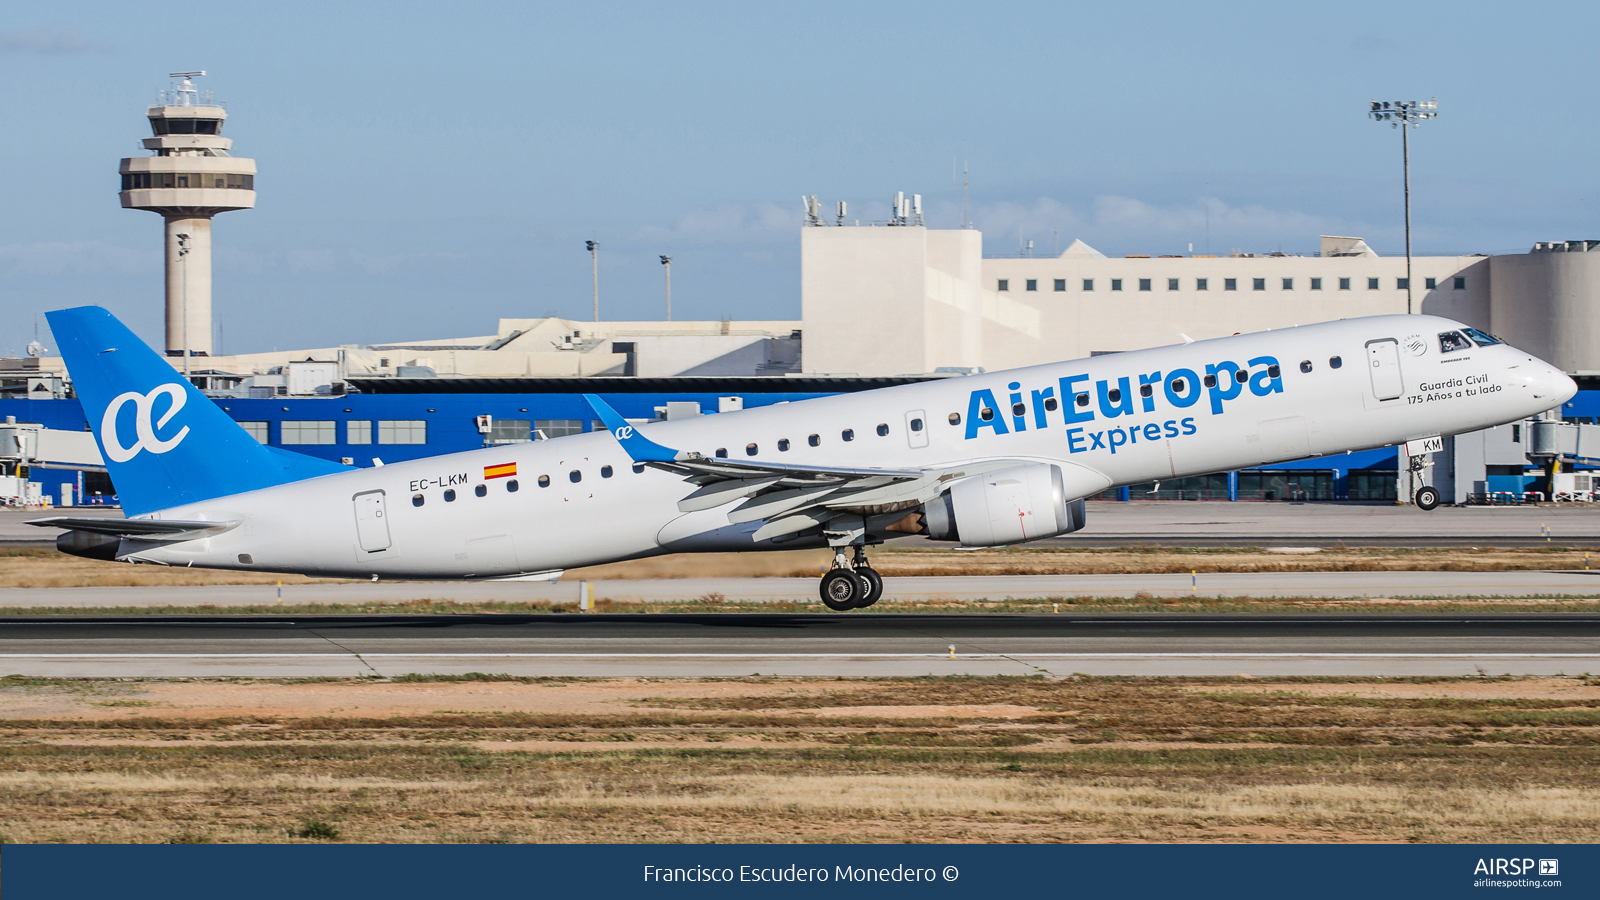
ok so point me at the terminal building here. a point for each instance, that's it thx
(882, 303)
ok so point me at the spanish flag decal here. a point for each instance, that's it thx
(505, 470)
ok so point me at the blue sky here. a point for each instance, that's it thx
(426, 169)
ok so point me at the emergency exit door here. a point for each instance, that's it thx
(916, 428)
(1383, 360)
(372, 523)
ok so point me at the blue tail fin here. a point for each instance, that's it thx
(164, 442)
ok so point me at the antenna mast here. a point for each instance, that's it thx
(965, 222)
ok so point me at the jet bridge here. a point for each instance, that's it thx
(25, 446)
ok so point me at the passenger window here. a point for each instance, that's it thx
(783, 446)
(449, 496)
(1451, 341)
(1050, 404)
(1083, 400)
(1178, 386)
(848, 434)
(1335, 362)
(544, 481)
(1273, 371)
(638, 469)
(1017, 409)
(1241, 376)
(1145, 390)
(481, 490)
(916, 424)
(1209, 381)
(986, 414)
(955, 418)
(511, 486)
(814, 441)
(722, 453)
(605, 471)
(575, 476)
(1305, 365)
(1114, 395)
(416, 500)
(882, 429)
(750, 449)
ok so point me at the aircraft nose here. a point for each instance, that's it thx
(1564, 387)
(1553, 385)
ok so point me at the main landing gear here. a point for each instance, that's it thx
(851, 584)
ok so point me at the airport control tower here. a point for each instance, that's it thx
(189, 177)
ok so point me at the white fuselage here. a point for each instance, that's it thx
(567, 512)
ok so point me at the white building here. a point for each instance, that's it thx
(902, 298)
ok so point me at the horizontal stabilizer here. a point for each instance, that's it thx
(137, 529)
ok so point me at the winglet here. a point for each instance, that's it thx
(637, 446)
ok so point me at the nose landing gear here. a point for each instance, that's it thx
(851, 584)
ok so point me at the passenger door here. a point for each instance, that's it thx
(372, 523)
(1383, 359)
(917, 428)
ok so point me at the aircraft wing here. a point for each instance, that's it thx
(791, 498)
(137, 529)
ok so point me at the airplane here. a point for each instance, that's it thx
(985, 460)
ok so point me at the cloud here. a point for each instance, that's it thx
(1127, 224)
(61, 40)
(48, 259)
(728, 223)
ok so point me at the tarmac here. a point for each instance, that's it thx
(1324, 585)
(800, 645)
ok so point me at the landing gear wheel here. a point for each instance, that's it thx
(1427, 498)
(840, 588)
(872, 583)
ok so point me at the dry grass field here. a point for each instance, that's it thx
(969, 759)
(48, 568)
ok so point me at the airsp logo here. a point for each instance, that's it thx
(144, 406)
(624, 432)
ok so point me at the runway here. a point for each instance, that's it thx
(799, 645)
(1325, 585)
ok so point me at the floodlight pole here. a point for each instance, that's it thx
(1405, 166)
(1405, 115)
(594, 263)
(183, 259)
(666, 263)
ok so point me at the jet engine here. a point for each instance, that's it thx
(89, 545)
(1022, 503)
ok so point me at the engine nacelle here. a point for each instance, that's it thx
(89, 544)
(1022, 503)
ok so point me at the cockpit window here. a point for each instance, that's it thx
(1451, 341)
(1481, 339)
